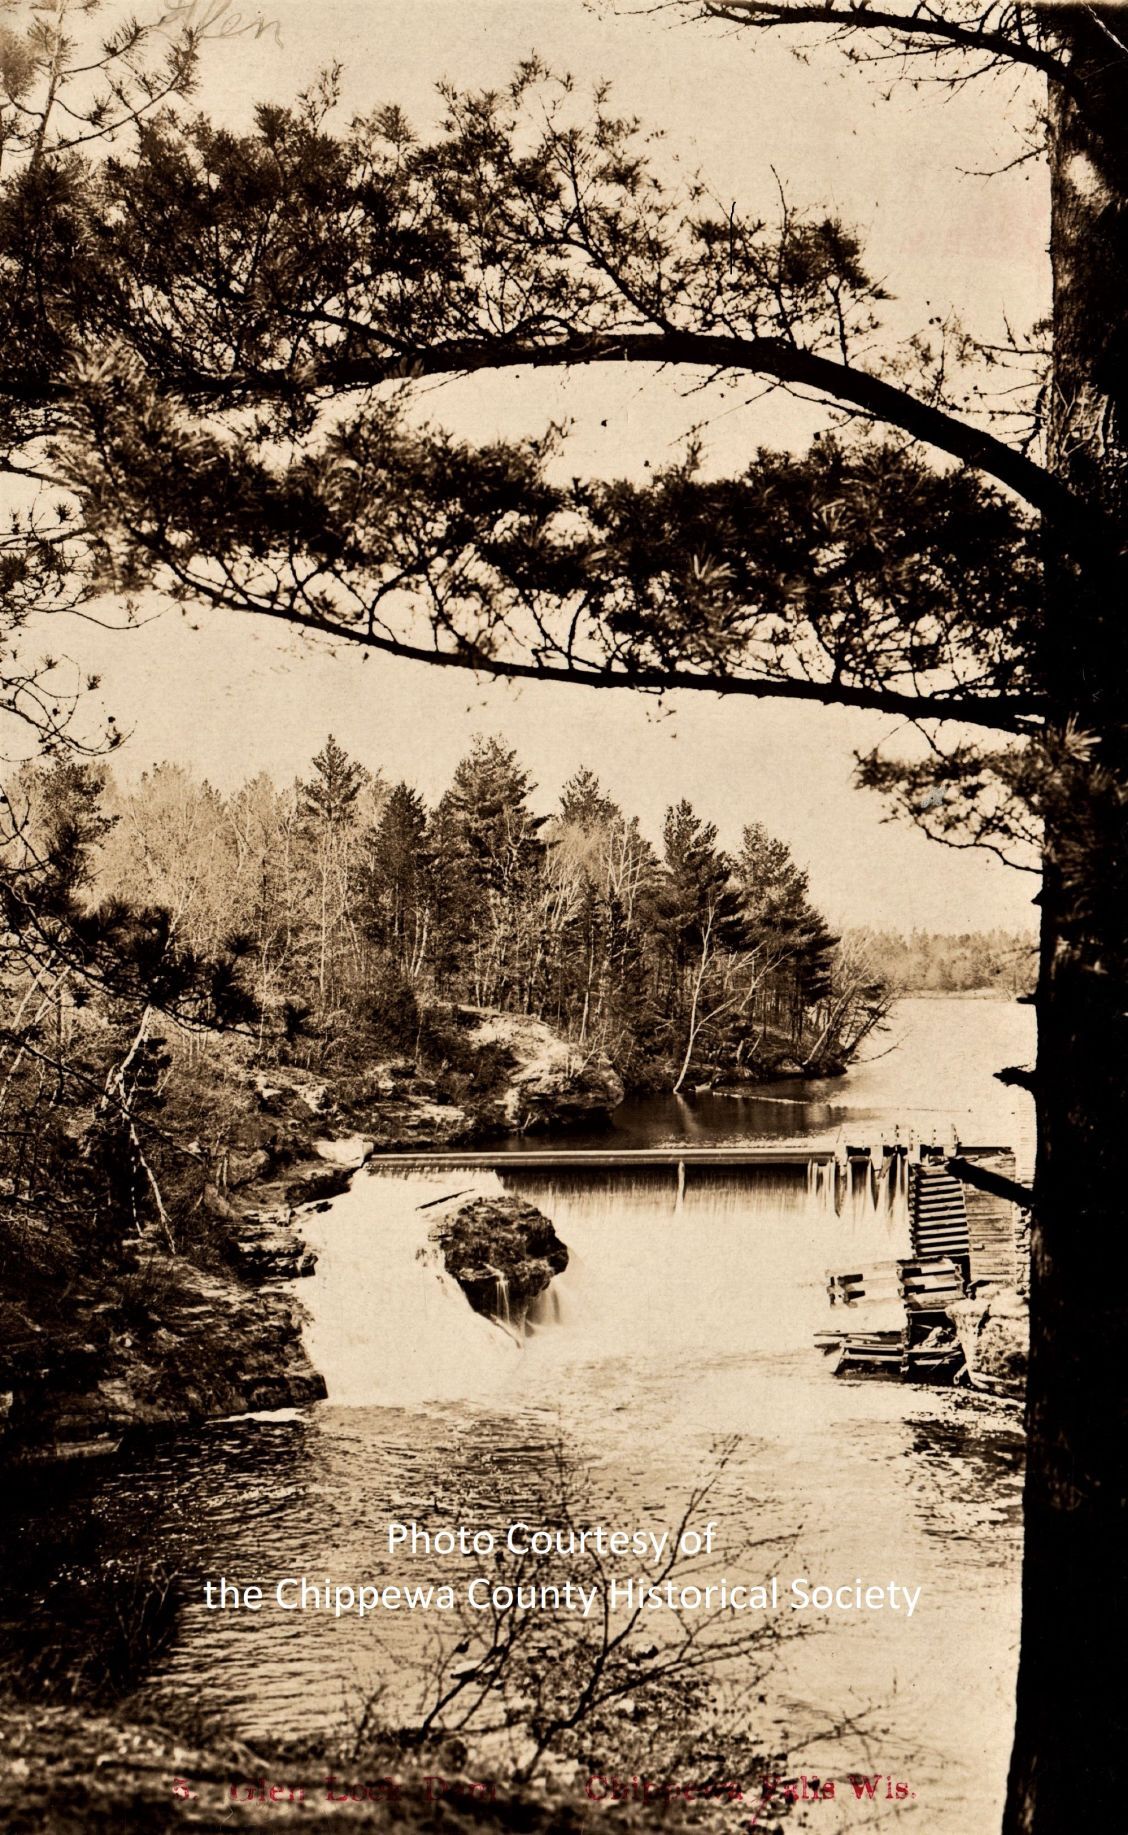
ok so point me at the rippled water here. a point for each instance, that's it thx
(684, 1317)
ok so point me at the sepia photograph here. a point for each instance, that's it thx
(563, 916)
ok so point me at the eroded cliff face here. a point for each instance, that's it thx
(503, 1253)
(171, 1345)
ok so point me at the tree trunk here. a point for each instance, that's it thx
(1067, 1760)
(694, 1026)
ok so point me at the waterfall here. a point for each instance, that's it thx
(725, 1261)
(387, 1324)
(501, 1303)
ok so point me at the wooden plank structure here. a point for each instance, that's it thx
(937, 1211)
(881, 1350)
(929, 1284)
(961, 1238)
(991, 1222)
(920, 1348)
(877, 1282)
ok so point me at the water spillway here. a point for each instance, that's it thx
(690, 1250)
(622, 1158)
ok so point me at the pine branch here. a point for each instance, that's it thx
(854, 15)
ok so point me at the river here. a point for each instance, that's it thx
(684, 1319)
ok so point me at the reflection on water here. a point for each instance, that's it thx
(931, 1072)
(684, 1316)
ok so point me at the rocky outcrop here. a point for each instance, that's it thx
(378, 1108)
(321, 1130)
(538, 1080)
(178, 1346)
(503, 1253)
(186, 1337)
(479, 1073)
(994, 1332)
(265, 1246)
(766, 1067)
(415, 1124)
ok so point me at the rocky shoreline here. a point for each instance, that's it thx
(176, 1344)
(174, 1340)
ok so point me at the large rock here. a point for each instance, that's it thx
(540, 1080)
(994, 1331)
(503, 1253)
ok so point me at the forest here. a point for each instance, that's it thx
(341, 910)
(165, 944)
(166, 949)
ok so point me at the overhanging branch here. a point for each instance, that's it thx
(1020, 716)
(776, 357)
(766, 15)
(786, 362)
(881, 400)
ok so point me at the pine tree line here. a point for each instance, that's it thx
(353, 907)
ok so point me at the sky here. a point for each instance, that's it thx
(231, 695)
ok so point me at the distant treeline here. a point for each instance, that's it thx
(947, 962)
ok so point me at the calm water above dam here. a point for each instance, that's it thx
(932, 1070)
(685, 1316)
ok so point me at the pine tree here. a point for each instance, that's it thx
(698, 914)
(582, 802)
(394, 879)
(327, 803)
(329, 796)
(697, 894)
(785, 926)
(769, 876)
(488, 803)
(497, 858)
